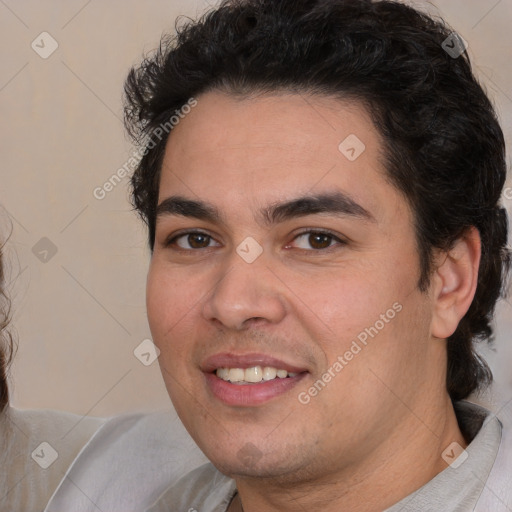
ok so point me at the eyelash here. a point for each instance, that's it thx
(172, 240)
(335, 241)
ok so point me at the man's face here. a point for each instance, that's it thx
(324, 288)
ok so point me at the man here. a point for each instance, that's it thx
(327, 246)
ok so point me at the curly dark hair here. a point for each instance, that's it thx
(6, 339)
(445, 150)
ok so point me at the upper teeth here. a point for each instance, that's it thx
(254, 374)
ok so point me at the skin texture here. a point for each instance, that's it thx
(379, 426)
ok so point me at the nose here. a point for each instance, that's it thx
(245, 293)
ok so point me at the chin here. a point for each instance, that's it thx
(246, 459)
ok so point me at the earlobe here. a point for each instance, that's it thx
(454, 283)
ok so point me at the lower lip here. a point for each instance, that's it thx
(247, 395)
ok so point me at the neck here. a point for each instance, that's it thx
(404, 463)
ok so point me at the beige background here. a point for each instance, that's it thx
(80, 315)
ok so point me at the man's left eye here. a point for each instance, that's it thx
(316, 240)
(193, 240)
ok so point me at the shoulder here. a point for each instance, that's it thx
(127, 464)
(497, 493)
(204, 489)
(36, 448)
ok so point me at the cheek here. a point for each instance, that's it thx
(158, 300)
(170, 302)
(364, 319)
(170, 309)
(347, 303)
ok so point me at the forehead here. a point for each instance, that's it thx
(237, 150)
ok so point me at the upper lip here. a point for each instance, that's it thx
(249, 360)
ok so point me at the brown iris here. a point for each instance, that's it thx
(198, 240)
(319, 240)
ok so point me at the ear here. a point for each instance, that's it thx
(454, 283)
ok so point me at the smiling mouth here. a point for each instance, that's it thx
(250, 380)
(252, 375)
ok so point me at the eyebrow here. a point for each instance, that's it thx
(335, 203)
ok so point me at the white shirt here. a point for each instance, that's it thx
(36, 449)
(127, 464)
(119, 464)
